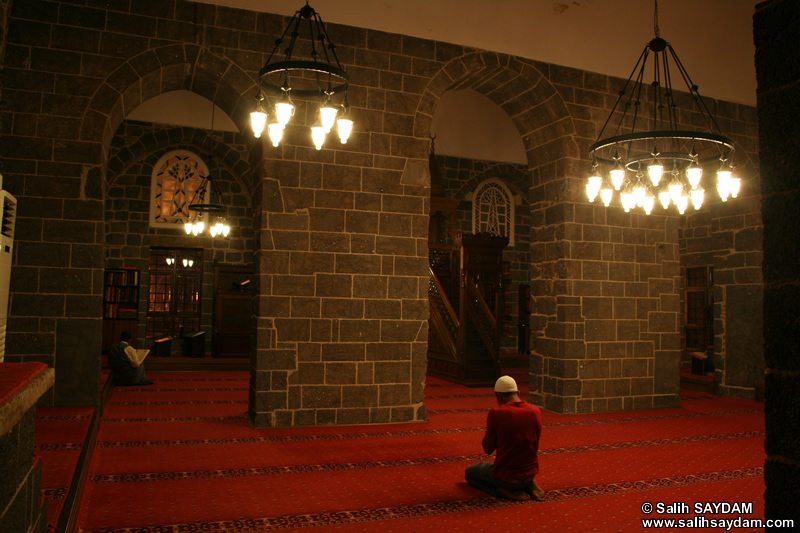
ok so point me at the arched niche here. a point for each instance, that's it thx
(467, 124)
(183, 108)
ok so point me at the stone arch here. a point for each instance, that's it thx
(200, 140)
(163, 69)
(516, 86)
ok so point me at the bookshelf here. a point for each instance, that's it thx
(120, 304)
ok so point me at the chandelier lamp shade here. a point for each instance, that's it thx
(652, 159)
(315, 74)
(202, 214)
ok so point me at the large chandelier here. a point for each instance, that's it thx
(649, 160)
(204, 214)
(317, 77)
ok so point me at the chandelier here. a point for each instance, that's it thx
(319, 77)
(650, 159)
(202, 214)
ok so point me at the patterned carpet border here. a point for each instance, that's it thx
(208, 402)
(148, 388)
(173, 419)
(58, 447)
(414, 462)
(376, 435)
(193, 379)
(432, 509)
(62, 418)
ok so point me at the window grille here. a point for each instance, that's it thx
(493, 209)
(175, 182)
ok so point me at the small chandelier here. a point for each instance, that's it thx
(663, 164)
(206, 213)
(317, 78)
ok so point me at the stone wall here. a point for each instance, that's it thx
(339, 235)
(606, 284)
(778, 73)
(135, 149)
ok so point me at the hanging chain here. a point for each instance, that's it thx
(655, 21)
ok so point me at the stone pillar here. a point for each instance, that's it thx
(778, 73)
(606, 305)
(341, 268)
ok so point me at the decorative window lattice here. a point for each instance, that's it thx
(493, 210)
(175, 182)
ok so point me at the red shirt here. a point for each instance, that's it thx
(513, 429)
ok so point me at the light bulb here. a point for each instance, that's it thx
(345, 127)
(724, 184)
(617, 177)
(605, 195)
(664, 197)
(284, 109)
(258, 120)
(318, 136)
(275, 133)
(639, 194)
(627, 200)
(188, 227)
(734, 185)
(655, 171)
(693, 174)
(593, 187)
(225, 229)
(682, 203)
(697, 196)
(213, 230)
(327, 114)
(649, 202)
(675, 191)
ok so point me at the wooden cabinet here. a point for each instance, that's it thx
(120, 304)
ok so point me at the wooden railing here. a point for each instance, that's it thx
(485, 322)
(443, 316)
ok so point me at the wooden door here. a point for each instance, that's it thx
(233, 311)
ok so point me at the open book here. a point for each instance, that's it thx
(142, 354)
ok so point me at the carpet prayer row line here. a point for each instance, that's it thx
(201, 467)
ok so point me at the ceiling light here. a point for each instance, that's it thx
(318, 76)
(655, 143)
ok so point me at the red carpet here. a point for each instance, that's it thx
(58, 440)
(181, 456)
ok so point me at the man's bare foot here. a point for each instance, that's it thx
(537, 493)
(516, 495)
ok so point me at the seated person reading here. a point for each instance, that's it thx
(127, 362)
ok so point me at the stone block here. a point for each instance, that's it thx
(321, 396)
(359, 396)
(369, 286)
(594, 369)
(293, 329)
(618, 387)
(662, 322)
(311, 373)
(601, 330)
(597, 308)
(343, 352)
(340, 373)
(334, 285)
(343, 308)
(359, 331)
(394, 395)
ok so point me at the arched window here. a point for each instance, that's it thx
(493, 209)
(176, 178)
